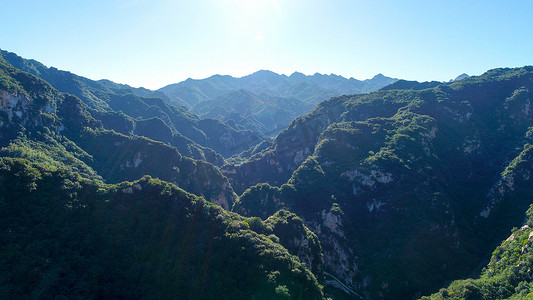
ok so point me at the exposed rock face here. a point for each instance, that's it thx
(18, 108)
(338, 252)
(517, 174)
(370, 180)
(298, 239)
(332, 222)
(9, 103)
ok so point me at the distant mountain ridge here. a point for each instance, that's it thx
(417, 85)
(307, 88)
(221, 96)
(411, 85)
(462, 76)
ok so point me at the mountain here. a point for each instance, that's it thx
(92, 92)
(75, 228)
(406, 189)
(193, 136)
(66, 236)
(462, 76)
(264, 113)
(392, 194)
(41, 124)
(410, 85)
(415, 85)
(225, 97)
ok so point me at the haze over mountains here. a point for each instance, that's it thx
(264, 101)
(384, 195)
(309, 89)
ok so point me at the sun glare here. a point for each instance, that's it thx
(253, 7)
(256, 8)
(255, 19)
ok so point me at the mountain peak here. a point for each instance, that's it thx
(263, 73)
(298, 74)
(381, 80)
(379, 76)
(462, 76)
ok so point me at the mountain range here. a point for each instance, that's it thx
(109, 191)
(264, 100)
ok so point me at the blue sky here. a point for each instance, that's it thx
(158, 42)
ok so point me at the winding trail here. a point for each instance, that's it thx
(343, 286)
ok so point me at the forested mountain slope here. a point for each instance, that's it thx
(43, 125)
(410, 85)
(264, 113)
(132, 111)
(405, 189)
(68, 237)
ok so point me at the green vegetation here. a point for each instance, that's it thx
(58, 130)
(54, 153)
(523, 159)
(121, 107)
(428, 181)
(410, 85)
(16, 83)
(297, 238)
(386, 195)
(66, 236)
